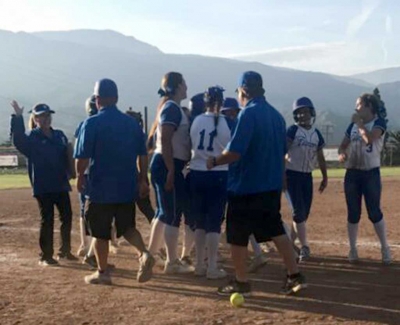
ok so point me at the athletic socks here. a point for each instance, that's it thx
(301, 231)
(255, 246)
(212, 242)
(200, 239)
(156, 236)
(171, 235)
(380, 229)
(188, 241)
(352, 230)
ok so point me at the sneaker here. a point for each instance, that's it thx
(353, 256)
(257, 262)
(186, 260)
(267, 247)
(90, 260)
(67, 256)
(200, 270)
(146, 263)
(304, 253)
(177, 267)
(98, 278)
(48, 262)
(234, 286)
(386, 256)
(216, 274)
(81, 252)
(294, 284)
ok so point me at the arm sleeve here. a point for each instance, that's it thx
(242, 134)
(76, 134)
(321, 140)
(19, 138)
(170, 114)
(380, 124)
(348, 131)
(85, 143)
(291, 132)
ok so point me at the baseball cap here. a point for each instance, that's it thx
(39, 109)
(229, 103)
(303, 102)
(105, 88)
(250, 80)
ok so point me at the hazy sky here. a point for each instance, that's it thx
(342, 36)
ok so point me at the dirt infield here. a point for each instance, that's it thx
(338, 293)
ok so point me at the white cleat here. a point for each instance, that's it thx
(177, 267)
(386, 255)
(353, 256)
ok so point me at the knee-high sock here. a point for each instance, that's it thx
(255, 246)
(171, 235)
(188, 241)
(212, 241)
(352, 230)
(156, 235)
(200, 240)
(301, 231)
(380, 229)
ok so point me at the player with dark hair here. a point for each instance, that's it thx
(360, 150)
(305, 148)
(210, 133)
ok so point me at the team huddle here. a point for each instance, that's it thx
(222, 160)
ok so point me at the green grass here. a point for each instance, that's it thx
(9, 181)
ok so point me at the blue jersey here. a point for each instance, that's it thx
(112, 141)
(48, 165)
(260, 139)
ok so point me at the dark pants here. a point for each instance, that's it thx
(144, 205)
(46, 206)
(300, 188)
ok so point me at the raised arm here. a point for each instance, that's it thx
(19, 138)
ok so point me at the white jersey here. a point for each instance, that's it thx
(361, 155)
(302, 154)
(208, 141)
(172, 114)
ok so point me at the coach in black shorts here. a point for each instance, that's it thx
(256, 157)
(110, 144)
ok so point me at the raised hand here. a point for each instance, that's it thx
(18, 110)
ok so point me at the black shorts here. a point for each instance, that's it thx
(99, 218)
(257, 214)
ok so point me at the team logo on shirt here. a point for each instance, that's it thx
(303, 142)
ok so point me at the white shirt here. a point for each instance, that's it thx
(208, 140)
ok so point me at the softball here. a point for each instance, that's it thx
(237, 299)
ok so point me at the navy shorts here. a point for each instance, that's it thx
(257, 214)
(208, 197)
(300, 188)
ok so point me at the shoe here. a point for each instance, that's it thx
(216, 274)
(267, 247)
(386, 255)
(146, 263)
(48, 262)
(90, 260)
(304, 253)
(67, 256)
(81, 251)
(234, 286)
(186, 260)
(353, 256)
(294, 284)
(257, 262)
(98, 278)
(177, 267)
(200, 270)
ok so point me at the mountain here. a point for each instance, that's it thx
(380, 76)
(60, 68)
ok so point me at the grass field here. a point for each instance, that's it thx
(8, 181)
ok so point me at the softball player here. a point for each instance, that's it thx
(305, 144)
(172, 152)
(361, 151)
(50, 167)
(210, 133)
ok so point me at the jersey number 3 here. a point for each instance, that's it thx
(210, 143)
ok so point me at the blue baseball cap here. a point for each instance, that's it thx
(229, 103)
(303, 102)
(39, 109)
(250, 80)
(105, 88)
